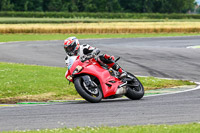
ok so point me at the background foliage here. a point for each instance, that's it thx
(136, 6)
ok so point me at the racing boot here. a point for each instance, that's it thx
(123, 74)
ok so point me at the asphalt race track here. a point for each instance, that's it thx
(161, 57)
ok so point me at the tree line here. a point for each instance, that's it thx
(135, 6)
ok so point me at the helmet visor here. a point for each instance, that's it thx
(70, 48)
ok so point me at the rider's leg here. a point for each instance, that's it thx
(120, 70)
(110, 61)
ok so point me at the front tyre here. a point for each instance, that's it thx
(93, 95)
(135, 88)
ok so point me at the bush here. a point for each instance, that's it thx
(99, 15)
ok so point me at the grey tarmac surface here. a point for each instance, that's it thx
(167, 109)
(165, 57)
(161, 57)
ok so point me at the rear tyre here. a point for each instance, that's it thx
(93, 95)
(135, 88)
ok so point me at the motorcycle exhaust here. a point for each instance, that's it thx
(122, 84)
(121, 89)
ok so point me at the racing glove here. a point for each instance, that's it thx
(86, 57)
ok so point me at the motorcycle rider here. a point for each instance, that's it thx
(73, 48)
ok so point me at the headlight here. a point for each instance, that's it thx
(77, 70)
(69, 78)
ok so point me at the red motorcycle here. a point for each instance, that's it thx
(95, 81)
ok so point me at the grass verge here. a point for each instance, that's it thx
(184, 128)
(38, 37)
(22, 20)
(102, 15)
(23, 83)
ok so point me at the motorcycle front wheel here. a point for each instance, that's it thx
(93, 95)
(135, 88)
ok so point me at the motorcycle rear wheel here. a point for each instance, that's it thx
(135, 89)
(84, 93)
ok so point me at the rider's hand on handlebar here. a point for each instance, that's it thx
(90, 56)
(83, 58)
(86, 57)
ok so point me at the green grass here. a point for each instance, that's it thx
(195, 46)
(184, 128)
(152, 83)
(37, 37)
(21, 20)
(38, 83)
(19, 83)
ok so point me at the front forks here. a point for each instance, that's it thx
(88, 82)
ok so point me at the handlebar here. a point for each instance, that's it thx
(117, 59)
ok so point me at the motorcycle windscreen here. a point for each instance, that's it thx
(71, 61)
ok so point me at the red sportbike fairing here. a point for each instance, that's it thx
(94, 81)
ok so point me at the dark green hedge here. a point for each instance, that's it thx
(100, 15)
